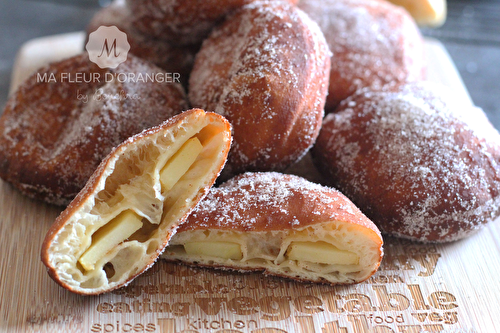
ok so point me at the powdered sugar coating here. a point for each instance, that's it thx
(54, 134)
(266, 70)
(268, 201)
(373, 43)
(182, 21)
(418, 160)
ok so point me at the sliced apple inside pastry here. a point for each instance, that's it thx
(109, 236)
(320, 253)
(283, 225)
(225, 250)
(122, 220)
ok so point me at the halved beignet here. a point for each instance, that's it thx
(122, 220)
(283, 225)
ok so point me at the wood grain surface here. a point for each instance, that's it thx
(436, 288)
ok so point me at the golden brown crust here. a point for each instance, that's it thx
(418, 162)
(266, 70)
(54, 134)
(373, 43)
(87, 195)
(182, 21)
(167, 55)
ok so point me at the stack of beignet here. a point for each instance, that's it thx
(265, 66)
(283, 225)
(122, 220)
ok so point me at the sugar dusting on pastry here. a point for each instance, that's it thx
(420, 161)
(266, 70)
(272, 201)
(182, 21)
(373, 43)
(54, 134)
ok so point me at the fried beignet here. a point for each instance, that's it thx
(283, 225)
(373, 43)
(122, 220)
(182, 21)
(266, 70)
(53, 135)
(167, 55)
(418, 160)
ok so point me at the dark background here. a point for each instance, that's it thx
(471, 35)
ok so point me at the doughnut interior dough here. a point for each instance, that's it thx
(332, 251)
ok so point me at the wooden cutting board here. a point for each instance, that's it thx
(436, 288)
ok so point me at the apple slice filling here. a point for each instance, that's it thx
(127, 223)
(109, 236)
(320, 253)
(225, 250)
(180, 163)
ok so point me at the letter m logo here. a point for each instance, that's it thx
(106, 48)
